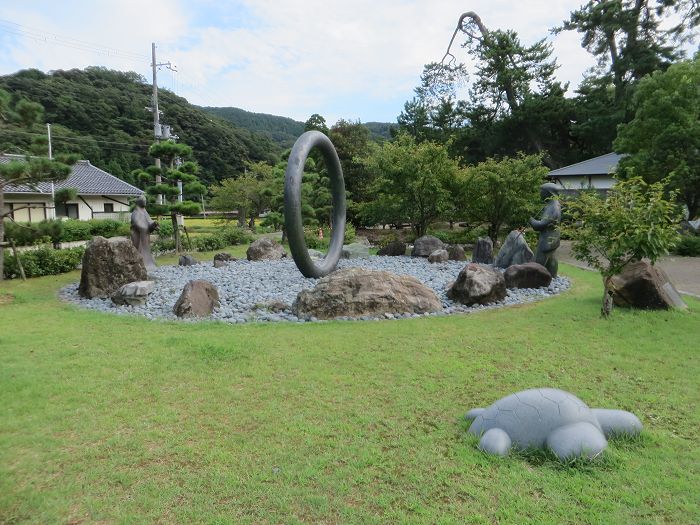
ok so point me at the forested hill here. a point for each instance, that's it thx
(283, 130)
(101, 115)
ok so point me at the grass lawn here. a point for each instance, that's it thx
(110, 419)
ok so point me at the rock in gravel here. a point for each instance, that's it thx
(315, 254)
(222, 259)
(109, 264)
(357, 292)
(265, 249)
(483, 251)
(356, 250)
(187, 260)
(439, 256)
(275, 306)
(642, 285)
(456, 253)
(393, 249)
(424, 246)
(514, 251)
(477, 284)
(133, 294)
(528, 275)
(198, 299)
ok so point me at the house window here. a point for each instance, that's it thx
(109, 207)
(67, 210)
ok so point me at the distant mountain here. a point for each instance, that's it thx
(283, 130)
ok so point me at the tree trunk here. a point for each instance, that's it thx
(176, 233)
(241, 217)
(607, 307)
(251, 223)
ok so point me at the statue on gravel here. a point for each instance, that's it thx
(141, 228)
(547, 226)
(549, 418)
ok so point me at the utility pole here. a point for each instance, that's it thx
(53, 188)
(160, 132)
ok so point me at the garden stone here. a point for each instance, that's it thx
(355, 250)
(315, 254)
(198, 299)
(478, 285)
(456, 253)
(483, 251)
(549, 418)
(424, 246)
(133, 294)
(438, 256)
(393, 249)
(528, 275)
(265, 249)
(107, 265)
(356, 292)
(514, 251)
(642, 285)
(222, 259)
(187, 260)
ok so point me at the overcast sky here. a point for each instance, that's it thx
(352, 59)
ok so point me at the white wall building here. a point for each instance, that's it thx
(596, 173)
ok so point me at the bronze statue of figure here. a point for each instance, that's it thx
(547, 226)
(141, 228)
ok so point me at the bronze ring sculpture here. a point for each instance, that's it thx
(292, 204)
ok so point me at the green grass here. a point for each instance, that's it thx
(114, 419)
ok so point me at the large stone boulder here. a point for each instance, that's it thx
(393, 249)
(187, 260)
(222, 259)
(133, 294)
(265, 249)
(356, 292)
(456, 253)
(478, 285)
(642, 285)
(514, 251)
(109, 264)
(356, 250)
(528, 275)
(426, 245)
(483, 251)
(198, 299)
(439, 256)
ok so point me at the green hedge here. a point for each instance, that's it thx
(43, 261)
(207, 242)
(57, 230)
(688, 246)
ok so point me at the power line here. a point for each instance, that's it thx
(57, 137)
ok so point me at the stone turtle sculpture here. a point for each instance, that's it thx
(549, 418)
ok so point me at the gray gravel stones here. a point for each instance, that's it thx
(246, 285)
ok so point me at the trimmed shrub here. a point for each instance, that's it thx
(208, 242)
(75, 230)
(235, 235)
(109, 228)
(689, 246)
(43, 261)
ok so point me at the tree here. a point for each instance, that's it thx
(636, 221)
(352, 143)
(504, 192)
(663, 139)
(316, 122)
(411, 183)
(175, 174)
(250, 193)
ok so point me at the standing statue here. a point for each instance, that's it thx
(141, 228)
(547, 226)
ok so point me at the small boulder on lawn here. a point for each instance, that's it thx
(438, 256)
(198, 299)
(483, 251)
(265, 249)
(393, 249)
(187, 260)
(133, 294)
(424, 246)
(642, 285)
(356, 250)
(356, 292)
(528, 275)
(109, 264)
(222, 259)
(477, 284)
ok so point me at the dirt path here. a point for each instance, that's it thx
(684, 272)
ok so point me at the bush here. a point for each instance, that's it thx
(165, 229)
(109, 228)
(43, 261)
(75, 230)
(208, 242)
(688, 246)
(235, 235)
(163, 246)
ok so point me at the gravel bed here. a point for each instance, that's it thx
(245, 287)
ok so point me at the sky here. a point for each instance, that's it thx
(352, 59)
